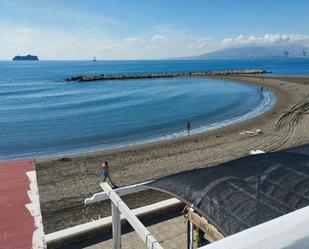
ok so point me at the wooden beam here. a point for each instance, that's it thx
(211, 233)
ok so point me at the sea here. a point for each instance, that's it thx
(41, 115)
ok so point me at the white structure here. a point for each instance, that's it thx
(107, 221)
(38, 238)
(118, 206)
(256, 152)
(116, 217)
(102, 196)
(290, 231)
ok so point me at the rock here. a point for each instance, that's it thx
(162, 75)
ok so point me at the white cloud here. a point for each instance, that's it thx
(267, 39)
(51, 45)
(55, 45)
(167, 43)
(201, 42)
(159, 38)
(134, 40)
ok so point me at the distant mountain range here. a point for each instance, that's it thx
(255, 52)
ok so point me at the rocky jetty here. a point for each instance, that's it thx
(82, 78)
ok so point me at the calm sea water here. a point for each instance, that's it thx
(41, 115)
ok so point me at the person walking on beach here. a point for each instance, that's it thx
(188, 127)
(105, 167)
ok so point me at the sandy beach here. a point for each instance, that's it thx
(64, 183)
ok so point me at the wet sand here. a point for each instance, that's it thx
(64, 183)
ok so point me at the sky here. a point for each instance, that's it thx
(146, 29)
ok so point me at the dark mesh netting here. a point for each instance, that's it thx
(245, 192)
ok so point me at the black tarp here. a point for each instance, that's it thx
(245, 192)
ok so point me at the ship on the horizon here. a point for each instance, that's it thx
(94, 59)
(28, 57)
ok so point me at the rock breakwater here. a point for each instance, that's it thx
(82, 78)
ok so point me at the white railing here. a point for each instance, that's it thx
(119, 207)
(102, 196)
(106, 221)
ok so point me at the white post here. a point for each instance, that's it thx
(191, 235)
(116, 223)
(141, 230)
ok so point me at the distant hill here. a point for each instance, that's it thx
(253, 52)
(25, 58)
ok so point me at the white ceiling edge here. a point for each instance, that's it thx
(290, 231)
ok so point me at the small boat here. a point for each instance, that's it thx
(94, 59)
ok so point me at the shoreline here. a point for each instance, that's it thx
(170, 137)
(65, 183)
(263, 106)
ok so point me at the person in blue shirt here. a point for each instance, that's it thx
(106, 175)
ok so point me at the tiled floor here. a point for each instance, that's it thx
(171, 233)
(16, 222)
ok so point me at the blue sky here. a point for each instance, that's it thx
(149, 29)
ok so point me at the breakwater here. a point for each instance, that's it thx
(82, 78)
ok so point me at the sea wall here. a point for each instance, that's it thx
(82, 78)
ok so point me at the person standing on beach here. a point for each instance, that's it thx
(261, 91)
(188, 127)
(105, 167)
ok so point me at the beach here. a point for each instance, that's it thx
(65, 182)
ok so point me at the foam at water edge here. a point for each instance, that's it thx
(268, 100)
